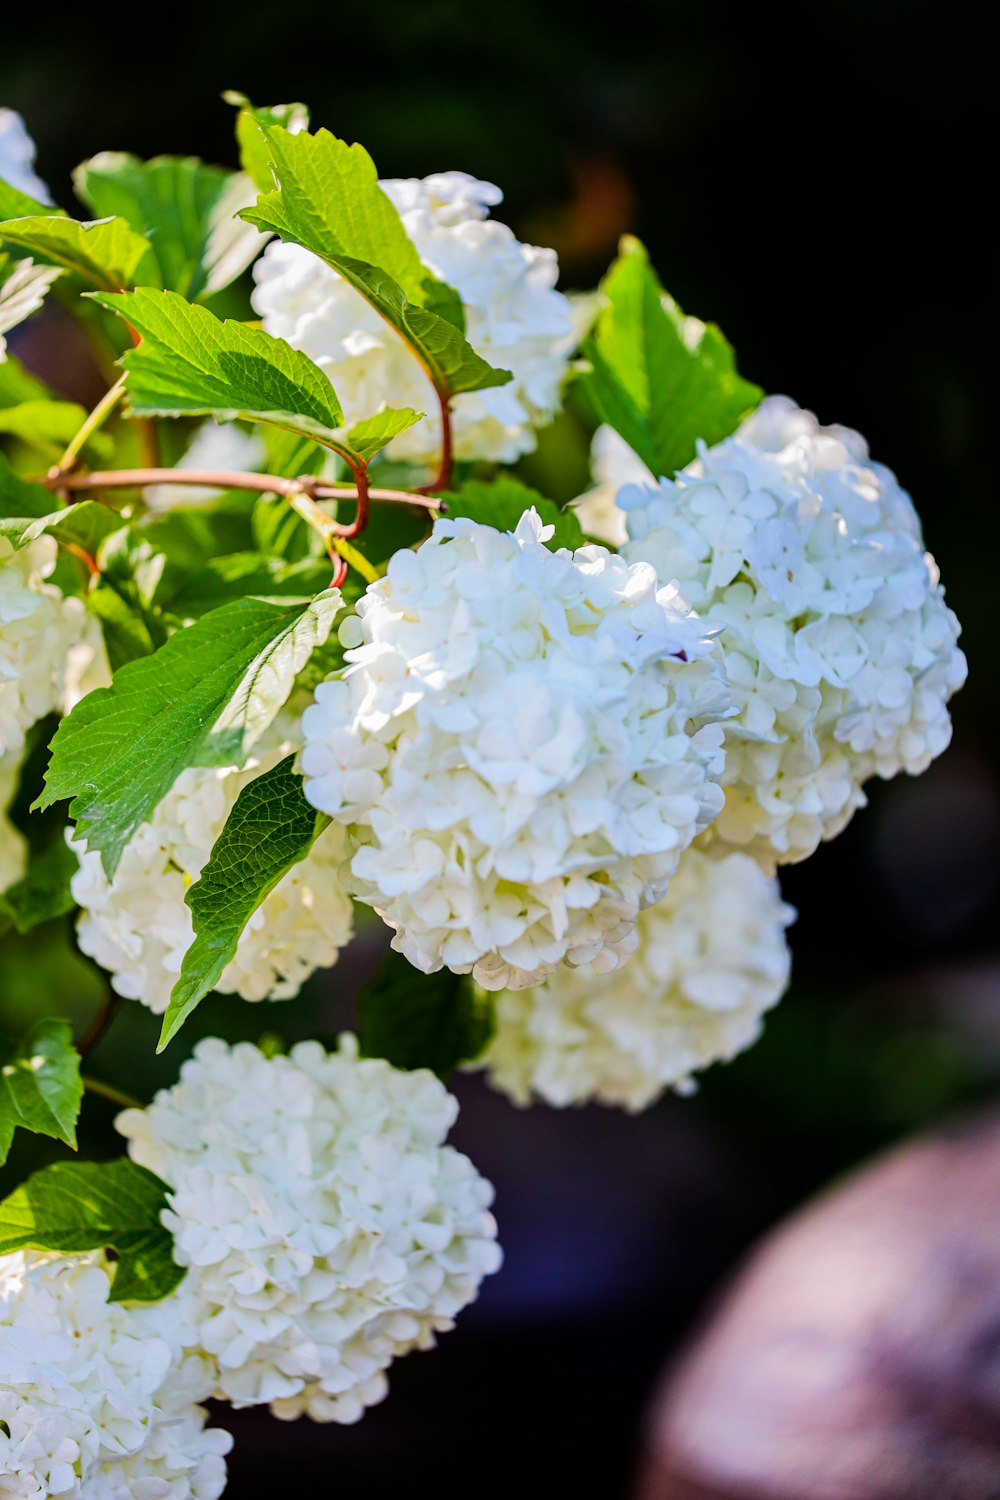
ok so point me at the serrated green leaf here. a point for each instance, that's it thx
(191, 363)
(40, 1087)
(415, 1020)
(203, 698)
(72, 1207)
(47, 426)
(328, 200)
(107, 252)
(502, 502)
(185, 208)
(271, 828)
(661, 380)
(26, 513)
(251, 123)
(43, 891)
(23, 286)
(373, 434)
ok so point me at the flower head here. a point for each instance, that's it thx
(839, 647)
(17, 157)
(711, 959)
(97, 1401)
(325, 1226)
(523, 745)
(41, 633)
(514, 318)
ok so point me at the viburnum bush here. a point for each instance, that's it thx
(297, 642)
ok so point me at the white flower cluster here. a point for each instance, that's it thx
(97, 1401)
(215, 445)
(840, 650)
(523, 744)
(711, 959)
(326, 1228)
(514, 318)
(138, 927)
(17, 157)
(41, 631)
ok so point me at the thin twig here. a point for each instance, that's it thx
(108, 1091)
(262, 484)
(90, 425)
(443, 478)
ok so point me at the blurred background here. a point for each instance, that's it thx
(815, 178)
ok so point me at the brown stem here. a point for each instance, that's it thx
(447, 450)
(263, 484)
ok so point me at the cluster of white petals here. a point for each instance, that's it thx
(215, 445)
(97, 1400)
(17, 157)
(325, 1226)
(12, 846)
(138, 927)
(523, 745)
(41, 631)
(711, 959)
(514, 318)
(840, 650)
(613, 465)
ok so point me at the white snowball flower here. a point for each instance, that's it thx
(325, 1226)
(514, 318)
(614, 464)
(12, 845)
(39, 629)
(215, 445)
(840, 650)
(523, 746)
(711, 959)
(97, 1401)
(138, 927)
(17, 157)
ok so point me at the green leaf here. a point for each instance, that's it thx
(17, 205)
(40, 1087)
(415, 1020)
(47, 426)
(328, 200)
(186, 209)
(23, 286)
(43, 892)
(107, 252)
(202, 699)
(373, 434)
(271, 828)
(16, 385)
(251, 123)
(26, 512)
(243, 574)
(72, 1207)
(191, 363)
(503, 501)
(660, 379)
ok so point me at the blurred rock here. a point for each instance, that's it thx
(857, 1356)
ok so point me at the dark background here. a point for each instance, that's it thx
(815, 179)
